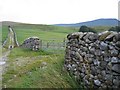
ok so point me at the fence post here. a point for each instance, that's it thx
(47, 44)
(64, 42)
(40, 46)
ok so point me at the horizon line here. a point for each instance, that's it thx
(56, 23)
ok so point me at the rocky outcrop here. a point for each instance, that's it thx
(32, 43)
(94, 58)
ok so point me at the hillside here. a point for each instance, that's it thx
(44, 32)
(40, 69)
(43, 68)
(98, 22)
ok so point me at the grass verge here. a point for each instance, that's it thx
(28, 69)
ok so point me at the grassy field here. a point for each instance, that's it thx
(41, 69)
(44, 32)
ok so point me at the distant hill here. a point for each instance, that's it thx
(10, 23)
(23, 25)
(98, 22)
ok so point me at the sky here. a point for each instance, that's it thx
(57, 11)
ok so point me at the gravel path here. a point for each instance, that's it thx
(3, 60)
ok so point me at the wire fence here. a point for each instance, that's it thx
(53, 44)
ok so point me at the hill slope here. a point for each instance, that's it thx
(43, 68)
(40, 69)
(98, 22)
(44, 32)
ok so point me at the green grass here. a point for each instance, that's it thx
(102, 28)
(4, 32)
(32, 73)
(17, 52)
(25, 68)
(27, 65)
(44, 32)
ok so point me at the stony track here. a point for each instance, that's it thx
(11, 40)
(9, 43)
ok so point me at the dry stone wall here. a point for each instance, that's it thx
(94, 58)
(32, 43)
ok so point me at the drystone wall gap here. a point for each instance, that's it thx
(94, 58)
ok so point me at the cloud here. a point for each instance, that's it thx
(58, 11)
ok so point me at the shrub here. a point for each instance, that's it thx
(116, 28)
(86, 29)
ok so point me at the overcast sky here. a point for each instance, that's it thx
(57, 11)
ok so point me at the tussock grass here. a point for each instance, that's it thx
(18, 52)
(28, 69)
